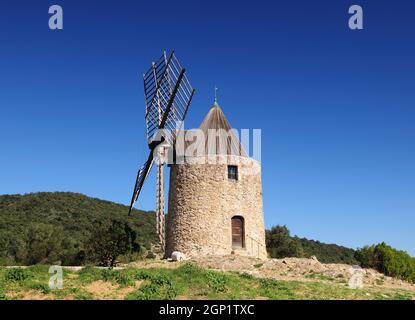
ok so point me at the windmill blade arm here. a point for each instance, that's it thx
(142, 174)
(168, 95)
(170, 103)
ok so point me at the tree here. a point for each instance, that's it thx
(109, 240)
(280, 244)
(44, 243)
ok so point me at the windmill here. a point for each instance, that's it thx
(168, 94)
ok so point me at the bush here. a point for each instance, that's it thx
(270, 286)
(247, 276)
(89, 274)
(385, 259)
(142, 275)
(160, 279)
(17, 275)
(2, 295)
(190, 270)
(121, 277)
(110, 240)
(217, 281)
(159, 287)
(44, 288)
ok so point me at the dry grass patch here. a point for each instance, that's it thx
(30, 295)
(104, 290)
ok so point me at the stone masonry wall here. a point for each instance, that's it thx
(202, 201)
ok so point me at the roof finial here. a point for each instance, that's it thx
(216, 95)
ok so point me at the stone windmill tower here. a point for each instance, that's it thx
(215, 198)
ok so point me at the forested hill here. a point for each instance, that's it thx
(70, 228)
(48, 226)
(328, 253)
(281, 244)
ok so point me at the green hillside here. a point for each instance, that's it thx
(328, 253)
(51, 227)
(57, 227)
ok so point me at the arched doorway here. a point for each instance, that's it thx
(238, 232)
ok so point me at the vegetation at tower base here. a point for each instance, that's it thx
(281, 244)
(57, 227)
(387, 260)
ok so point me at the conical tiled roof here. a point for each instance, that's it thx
(215, 119)
(218, 131)
(218, 138)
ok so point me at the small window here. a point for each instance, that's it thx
(232, 172)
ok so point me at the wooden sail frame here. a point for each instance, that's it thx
(168, 94)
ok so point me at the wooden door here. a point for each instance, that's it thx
(237, 232)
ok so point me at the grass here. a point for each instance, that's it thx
(185, 282)
(319, 276)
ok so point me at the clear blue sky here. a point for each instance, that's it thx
(336, 107)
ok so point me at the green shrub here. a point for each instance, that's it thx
(160, 287)
(123, 279)
(385, 259)
(147, 292)
(108, 274)
(267, 283)
(89, 274)
(109, 240)
(2, 293)
(217, 281)
(245, 275)
(160, 279)
(276, 289)
(17, 275)
(44, 288)
(142, 275)
(189, 269)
